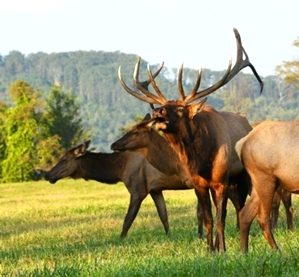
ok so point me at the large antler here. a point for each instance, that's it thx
(150, 98)
(229, 74)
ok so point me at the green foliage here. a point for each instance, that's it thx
(289, 70)
(21, 129)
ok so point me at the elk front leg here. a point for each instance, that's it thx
(199, 217)
(221, 203)
(158, 198)
(205, 202)
(233, 196)
(238, 194)
(275, 210)
(134, 206)
(286, 198)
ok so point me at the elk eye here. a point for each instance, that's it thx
(180, 109)
(63, 160)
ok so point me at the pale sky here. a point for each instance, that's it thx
(196, 32)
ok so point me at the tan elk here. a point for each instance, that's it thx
(138, 175)
(203, 137)
(146, 140)
(270, 155)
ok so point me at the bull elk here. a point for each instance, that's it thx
(203, 137)
(138, 175)
(144, 139)
(270, 155)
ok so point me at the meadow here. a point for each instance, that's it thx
(72, 228)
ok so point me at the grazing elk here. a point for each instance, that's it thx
(203, 137)
(270, 154)
(286, 198)
(144, 139)
(138, 175)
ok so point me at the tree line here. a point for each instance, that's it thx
(50, 102)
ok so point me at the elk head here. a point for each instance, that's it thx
(172, 111)
(67, 165)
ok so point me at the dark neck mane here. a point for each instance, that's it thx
(194, 142)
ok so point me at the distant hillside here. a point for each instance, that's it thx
(107, 107)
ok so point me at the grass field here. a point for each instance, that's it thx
(72, 228)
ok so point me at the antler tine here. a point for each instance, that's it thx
(143, 87)
(195, 95)
(197, 84)
(141, 97)
(180, 83)
(240, 63)
(155, 86)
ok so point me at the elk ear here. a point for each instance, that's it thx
(147, 117)
(87, 143)
(197, 107)
(81, 149)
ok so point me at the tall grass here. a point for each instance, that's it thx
(72, 228)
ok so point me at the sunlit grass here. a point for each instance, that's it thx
(72, 228)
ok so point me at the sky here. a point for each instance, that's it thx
(194, 32)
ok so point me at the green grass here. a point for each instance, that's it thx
(72, 228)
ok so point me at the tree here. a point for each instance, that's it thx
(289, 70)
(62, 118)
(21, 133)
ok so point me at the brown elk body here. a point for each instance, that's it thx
(284, 196)
(138, 175)
(144, 139)
(270, 155)
(203, 138)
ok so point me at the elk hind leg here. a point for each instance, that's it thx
(266, 192)
(246, 216)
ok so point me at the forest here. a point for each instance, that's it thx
(105, 108)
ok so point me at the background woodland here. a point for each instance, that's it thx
(51, 102)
